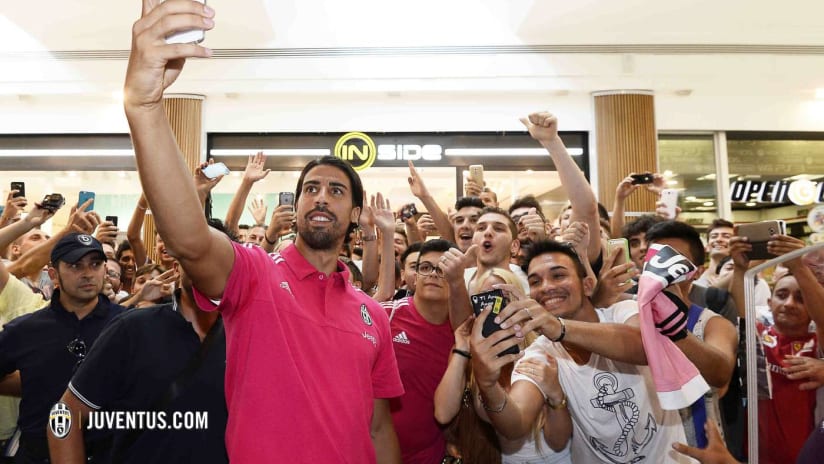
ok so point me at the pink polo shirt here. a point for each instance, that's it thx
(306, 355)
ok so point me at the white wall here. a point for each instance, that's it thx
(410, 112)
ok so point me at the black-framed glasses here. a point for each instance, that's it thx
(426, 269)
(77, 347)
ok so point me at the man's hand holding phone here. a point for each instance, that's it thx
(154, 65)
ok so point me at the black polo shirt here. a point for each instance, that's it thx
(131, 367)
(37, 345)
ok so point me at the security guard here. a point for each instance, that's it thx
(47, 346)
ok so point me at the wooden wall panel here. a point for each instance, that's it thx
(626, 142)
(185, 116)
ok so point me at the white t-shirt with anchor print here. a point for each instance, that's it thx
(615, 412)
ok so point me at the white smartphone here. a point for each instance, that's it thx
(476, 173)
(670, 199)
(186, 37)
(213, 170)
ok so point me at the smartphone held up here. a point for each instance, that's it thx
(193, 36)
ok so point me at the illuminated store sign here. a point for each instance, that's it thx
(359, 150)
(800, 192)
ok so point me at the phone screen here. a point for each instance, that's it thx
(83, 197)
(498, 301)
(20, 187)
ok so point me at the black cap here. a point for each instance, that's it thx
(73, 247)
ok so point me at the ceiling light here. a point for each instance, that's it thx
(708, 203)
(668, 173)
(691, 198)
(314, 152)
(672, 182)
(574, 151)
(750, 203)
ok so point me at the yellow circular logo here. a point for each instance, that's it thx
(357, 149)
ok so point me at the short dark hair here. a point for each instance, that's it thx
(682, 230)
(543, 247)
(217, 224)
(528, 201)
(493, 210)
(409, 250)
(465, 202)
(121, 248)
(437, 245)
(640, 225)
(718, 223)
(354, 181)
(357, 275)
(602, 212)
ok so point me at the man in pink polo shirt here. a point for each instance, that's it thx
(310, 366)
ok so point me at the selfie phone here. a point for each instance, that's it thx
(214, 170)
(53, 202)
(758, 234)
(476, 173)
(614, 243)
(408, 211)
(286, 198)
(84, 196)
(498, 301)
(20, 187)
(645, 178)
(112, 219)
(670, 199)
(187, 37)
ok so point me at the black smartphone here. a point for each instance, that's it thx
(53, 202)
(112, 219)
(286, 198)
(646, 178)
(498, 301)
(408, 211)
(20, 187)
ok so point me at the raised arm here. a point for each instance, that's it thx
(134, 232)
(370, 261)
(543, 127)
(385, 220)
(206, 256)
(35, 259)
(622, 192)
(422, 193)
(12, 232)
(450, 391)
(254, 172)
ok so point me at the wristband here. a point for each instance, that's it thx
(464, 353)
(563, 331)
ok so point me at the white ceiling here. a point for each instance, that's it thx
(591, 45)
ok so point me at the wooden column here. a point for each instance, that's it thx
(185, 113)
(626, 142)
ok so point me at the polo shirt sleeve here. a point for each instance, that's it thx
(101, 377)
(251, 264)
(386, 380)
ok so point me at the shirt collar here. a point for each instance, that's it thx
(101, 310)
(303, 268)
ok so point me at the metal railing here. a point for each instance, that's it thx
(751, 334)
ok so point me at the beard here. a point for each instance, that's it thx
(321, 239)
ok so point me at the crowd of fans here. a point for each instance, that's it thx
(337, 329)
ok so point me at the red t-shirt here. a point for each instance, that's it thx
(422, 350)
(785, 422)
(306, 355)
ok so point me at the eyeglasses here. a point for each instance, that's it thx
(113, 274)
(426, 269)
(77, 347)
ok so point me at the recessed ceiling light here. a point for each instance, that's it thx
(750, 203)
(708, 203)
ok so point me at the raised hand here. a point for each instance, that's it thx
(82, 221)
(106, 233)
(426, 225)
(283, 217)
(542, 126)
(614, 280)
(577, 234)
(382, 212)
(625, 187)
(203, 184)
(659, 183)
(159, 286)
(154, 65)
(39, 215)
(486, 364)
(453, 262)
(258, 209)
(534, 225)
(472, 189)
(13, 207)
(416, 184)
(254, 168)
